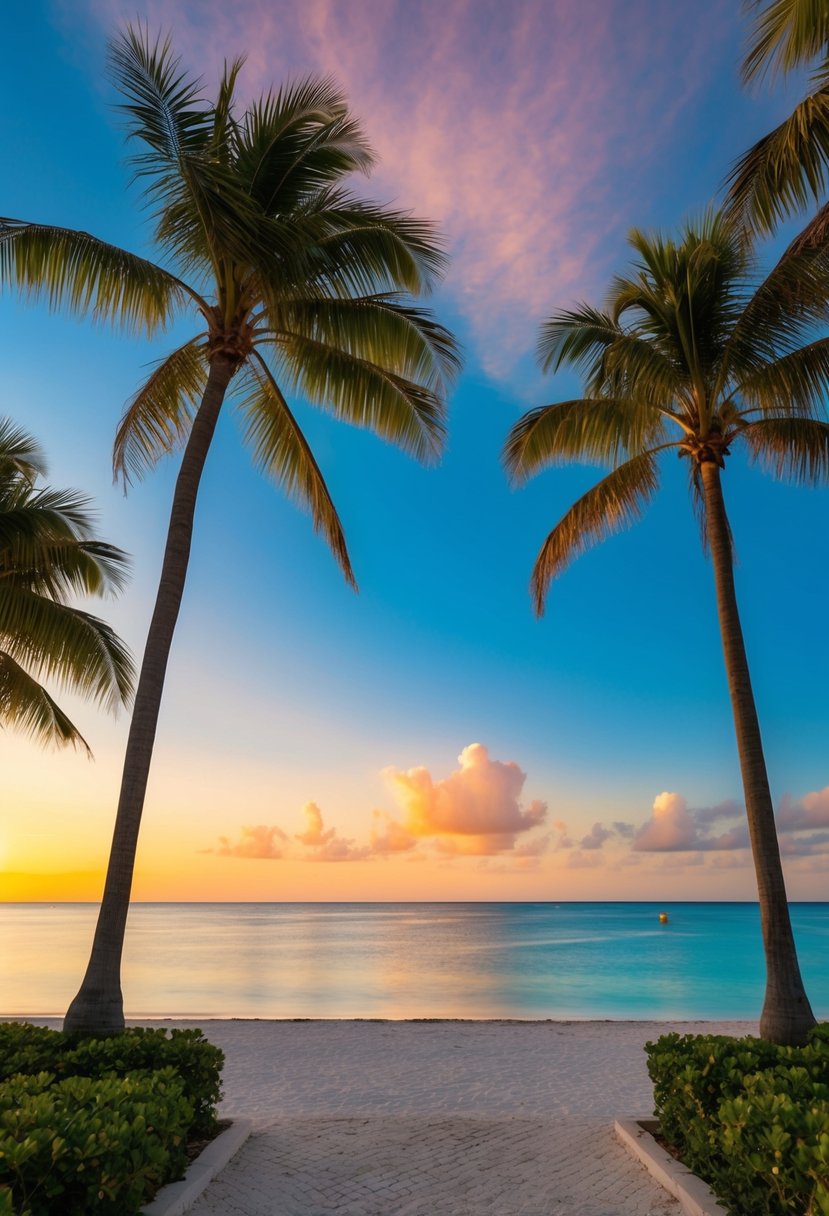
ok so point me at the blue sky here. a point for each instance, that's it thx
(536, 135)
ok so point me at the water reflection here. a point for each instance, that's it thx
(412, 960)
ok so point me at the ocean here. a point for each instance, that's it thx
(420, 960)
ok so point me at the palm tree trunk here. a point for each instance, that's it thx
(98, 1008)
(787, 1015)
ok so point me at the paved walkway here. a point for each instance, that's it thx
(436, 1119)
(459, 1166)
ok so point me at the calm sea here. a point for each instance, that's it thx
(540, 960)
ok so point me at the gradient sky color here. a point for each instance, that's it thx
(427, 739)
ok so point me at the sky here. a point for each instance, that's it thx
(428, 738)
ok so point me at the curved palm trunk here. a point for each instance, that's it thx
(98, 1008)
(787, 1015)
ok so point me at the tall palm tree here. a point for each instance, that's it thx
(48, 555)
(297, 285)
(692, 354)
(787, 171)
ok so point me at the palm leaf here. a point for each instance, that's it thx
(20, 454)
(786, 170)
(282, 452)
(74, 270)
(365, 394)
(615, 502)
(27, 705)
(793, 449)
(159, 416)
(797, 383)
(786, 35)
(383, 329)
(56, 641)
(596, 430)
(577, 338)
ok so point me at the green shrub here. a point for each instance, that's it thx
(87, 1145)
(32, 1049)
(749, 1117)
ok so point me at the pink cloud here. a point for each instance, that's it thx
(810, 811)
(259, 842)
(524, 129)
(475, 810)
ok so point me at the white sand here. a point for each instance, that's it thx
(323, 1068)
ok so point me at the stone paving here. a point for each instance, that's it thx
(457, 1166)
(437, 1119)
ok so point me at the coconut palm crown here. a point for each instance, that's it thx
(298, 287)
(49, 555)
(693, 354)
(787, 171)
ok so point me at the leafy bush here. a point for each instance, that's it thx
(749, 1117)
(33, 1049)
(89, 1145)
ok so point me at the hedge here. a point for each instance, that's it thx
(749, 1117)
(31, 1049)
(93, 1127)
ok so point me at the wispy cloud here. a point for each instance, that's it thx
(533, 131)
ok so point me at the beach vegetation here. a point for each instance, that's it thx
(25, 1048)
(298, 286)
(49, 556)
(98, 1125)
(695, 354)
(749, 1117)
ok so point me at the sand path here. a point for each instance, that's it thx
(437, 1119)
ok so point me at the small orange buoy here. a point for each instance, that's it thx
(663, 918)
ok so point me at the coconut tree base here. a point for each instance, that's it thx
(95, 1013)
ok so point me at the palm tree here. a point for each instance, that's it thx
(785, 172)
(297, 285)
(693, 355)
(47, 555)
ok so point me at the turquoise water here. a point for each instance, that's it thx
(539, 960)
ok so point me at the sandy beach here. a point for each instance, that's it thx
(319, 1068)
(436, 1118)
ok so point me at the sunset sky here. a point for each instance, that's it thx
(427, 738)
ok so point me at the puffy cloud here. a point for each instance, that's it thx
(596, 837)
(562, 838)
(388, 836)
(314, 834)
(475, 810)
(327, 845)
(259, 841)
(673, 828)
(810, 811)
(670, 827)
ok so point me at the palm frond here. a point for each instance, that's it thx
(793, 449)
(785, 171)
(362, 248)
(296, 141)
(58, 642)
(159, 416)
(797, 383)
(786, 35)
(577, 338)
(598, 430)
(383, 328)
(282, 452)
(20, 454)
(166, 110)
(25, 704)
(203, 212)
(615, 502)
(783, 310)
(366, 394)
(74, 270)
